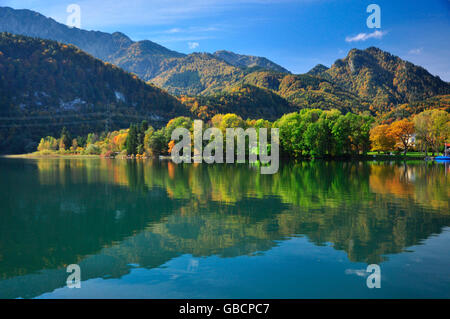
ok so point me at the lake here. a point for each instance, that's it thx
(150, 229)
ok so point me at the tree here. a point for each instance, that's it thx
(148, 134)
(170, 146)
(402, 131)
(48, 143)
(381, 138)
(440, 128)
(317, 138)
(91, 138)
(92, 149)
(74, 145)
(360, 132)
(423, 127)
(132, 140)
(65, 139)
(141, 136)
(231, 120)
(342, 131)
(119, 141)
(157, 143)
(178, 122)
(291, 134)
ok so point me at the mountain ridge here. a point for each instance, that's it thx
(248, 61)
(384, 79)
(144, 58)
(63, 85)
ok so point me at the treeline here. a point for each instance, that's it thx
(307, 133)
(426, 131)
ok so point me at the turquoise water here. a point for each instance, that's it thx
(160, 230)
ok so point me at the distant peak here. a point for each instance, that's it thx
(223, 51)
(248, 61)
(318, 69)
(120, 34)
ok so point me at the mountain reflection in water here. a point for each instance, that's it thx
(112, 215)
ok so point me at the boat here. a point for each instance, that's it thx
(446, 156)
(442, 158)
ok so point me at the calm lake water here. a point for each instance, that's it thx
(160, 230)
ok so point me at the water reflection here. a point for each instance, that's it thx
(108, 215)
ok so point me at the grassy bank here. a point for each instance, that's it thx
(368, 156)
(55, 155)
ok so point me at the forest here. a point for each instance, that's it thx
(308, 133)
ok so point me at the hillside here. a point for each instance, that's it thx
(384, 80)
(441, 102)
(248, 61)
(366, 79)
(318, 70)
(204, 74)
(143, 58)
(306, 91)
(197, 73)
(45, 85)
(245, 100)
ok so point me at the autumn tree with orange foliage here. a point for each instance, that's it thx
(381, 138)
(171, 145)
(402, 131)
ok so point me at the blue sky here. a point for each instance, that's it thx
(297, 34)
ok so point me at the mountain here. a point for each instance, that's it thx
(45, 85)
(143, 58)
(307, 91)
(369, 79)
(248, 61)
(318, 70)
(384, 80)
(197, 73)
(365, 79)
(203, 74)
(245, 100)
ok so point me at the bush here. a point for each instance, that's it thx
(108, 153)
(92, 149)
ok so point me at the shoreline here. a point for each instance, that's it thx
(37, 156)
(381, 157)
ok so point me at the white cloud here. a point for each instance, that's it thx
(193, 45)
(416, 51)
(174, 30)
(190, 30)
(365, 36)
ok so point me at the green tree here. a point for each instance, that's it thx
(440, 128)
(291, 132)
(423, 127)
(65, 139)
(317, 138)
(91, 138)
(157, 142)
(178, 122)
(132, 140)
